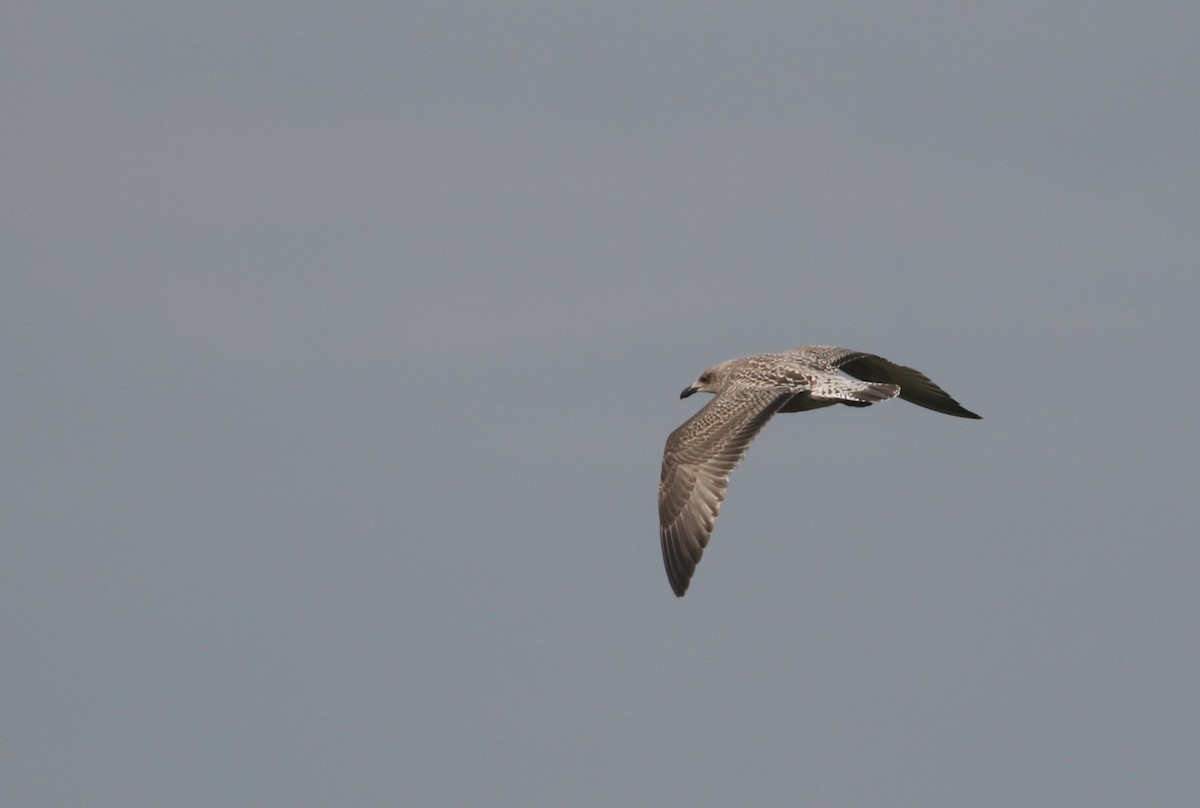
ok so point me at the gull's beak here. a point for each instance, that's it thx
(687, 391)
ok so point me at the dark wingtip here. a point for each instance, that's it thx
(963, 412)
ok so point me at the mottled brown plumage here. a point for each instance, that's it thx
(701, 454)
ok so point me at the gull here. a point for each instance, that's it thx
(706, 448)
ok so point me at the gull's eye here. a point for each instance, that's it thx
(703, 378)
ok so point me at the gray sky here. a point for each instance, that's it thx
(341, 343)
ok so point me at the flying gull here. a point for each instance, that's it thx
(705, 449)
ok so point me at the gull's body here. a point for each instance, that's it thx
(701, 454)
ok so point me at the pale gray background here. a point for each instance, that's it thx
(341, 341)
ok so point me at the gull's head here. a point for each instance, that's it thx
(710, 381)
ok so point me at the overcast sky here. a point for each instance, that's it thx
(341, 341)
